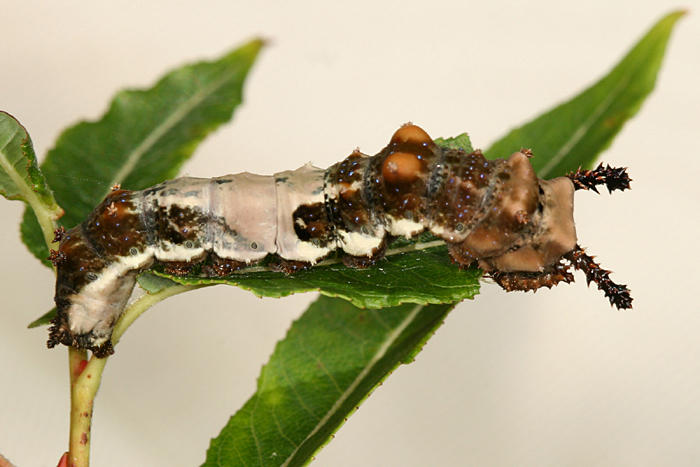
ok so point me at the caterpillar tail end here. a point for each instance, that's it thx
(614, 178)
(59, 333)
(618, 294)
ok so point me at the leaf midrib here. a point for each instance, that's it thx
(584, 128)
(165, 126)
(7, 166)
(25, 191)
(379, 354)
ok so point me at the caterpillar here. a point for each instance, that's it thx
(496, 214)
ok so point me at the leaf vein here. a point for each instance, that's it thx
(379, 354)
(166, 125)
(585, 126)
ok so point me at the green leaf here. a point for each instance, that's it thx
(329, 362)
(458, 142)
(418, 272)
(312, 382)
(572, 134)
(145, 136)
(43, 319)
(154, 284)
(20, 177)
(32, 237)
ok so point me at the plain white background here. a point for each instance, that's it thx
(556, 378)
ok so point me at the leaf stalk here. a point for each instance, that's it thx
(86, 376)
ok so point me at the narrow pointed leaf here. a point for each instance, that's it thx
(572, 134)
(406, 275)
(331, 359)
(44, 319)
(145, 136)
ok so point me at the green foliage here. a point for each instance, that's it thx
(19, 174)
(31, 236)
(154, 284)
(458, 142)
(44, 319)
(416, 276)
(328, 363)
(572, 134)
(143, 139)
(21, 179)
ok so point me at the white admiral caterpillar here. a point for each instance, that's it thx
(492, 213)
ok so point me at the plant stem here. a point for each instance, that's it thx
(80, 413)
(47, 220)
(144, 303)
(85, 376)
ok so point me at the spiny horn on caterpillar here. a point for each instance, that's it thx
(495, 214)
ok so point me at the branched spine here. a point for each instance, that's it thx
(618, 294)
(614, 178)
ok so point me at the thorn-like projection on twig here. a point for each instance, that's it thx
(614, 178)
(59, 233)
(56, 257)
(618, 294)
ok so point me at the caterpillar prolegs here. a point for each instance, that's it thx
(492, 213)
